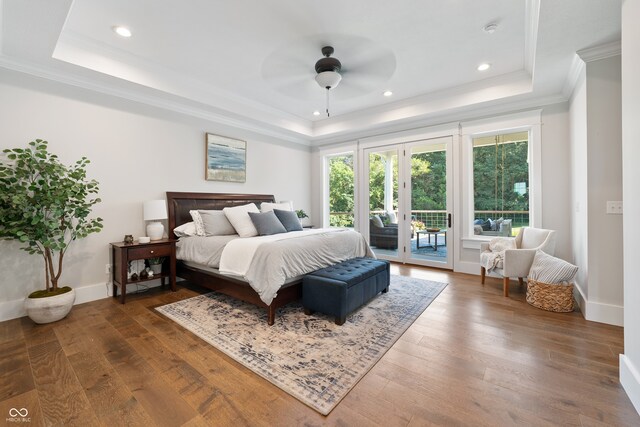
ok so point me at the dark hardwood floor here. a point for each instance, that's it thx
(472, 358)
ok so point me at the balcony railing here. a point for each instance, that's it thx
(435, 218)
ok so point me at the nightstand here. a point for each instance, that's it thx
(122, 253)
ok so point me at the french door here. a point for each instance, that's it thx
(408, 191)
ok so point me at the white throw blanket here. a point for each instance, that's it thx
(497, 246)
(238, 254)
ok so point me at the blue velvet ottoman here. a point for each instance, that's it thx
(340, 289)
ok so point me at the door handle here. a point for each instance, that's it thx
(449, 220)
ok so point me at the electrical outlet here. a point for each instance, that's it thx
(614, 208)
(107, 269)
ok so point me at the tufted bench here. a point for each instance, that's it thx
(342, 288)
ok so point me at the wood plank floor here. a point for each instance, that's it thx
(472, 358)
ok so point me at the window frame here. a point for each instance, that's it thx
(527, 121)
(326, 208)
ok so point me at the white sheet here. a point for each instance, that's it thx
(237, 255)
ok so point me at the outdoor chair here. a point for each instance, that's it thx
(381, 236)
(517, 262)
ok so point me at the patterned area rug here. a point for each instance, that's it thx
(309, 357)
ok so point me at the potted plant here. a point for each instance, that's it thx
(155, 264)
(46, 205)
(305, 221)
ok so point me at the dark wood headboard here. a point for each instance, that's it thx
(180, 204)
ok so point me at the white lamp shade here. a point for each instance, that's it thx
(328, 79)
(155, 209)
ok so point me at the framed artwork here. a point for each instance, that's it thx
(226, 159)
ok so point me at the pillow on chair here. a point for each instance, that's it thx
(549, 269)
(377, 221)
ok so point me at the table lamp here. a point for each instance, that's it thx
(153, 211)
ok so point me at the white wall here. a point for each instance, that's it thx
(630, 360)
(556, 177)
(578, 208)
(137, 153)
(604, 163)
(596, 162)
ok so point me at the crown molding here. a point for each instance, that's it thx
(80, 51)
(428, 105)
(602, 51)
(532, 18)
(220, 117)
(577, 65)
(472, 112)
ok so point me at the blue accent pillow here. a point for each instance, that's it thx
(478, 221)
(266, 223)
(288, 219)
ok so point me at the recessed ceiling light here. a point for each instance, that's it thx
(484, 67)
(122, 31)
(490, 28)
(387, 93)
(316, 113)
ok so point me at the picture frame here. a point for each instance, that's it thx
(226, 159)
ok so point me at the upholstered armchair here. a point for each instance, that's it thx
(517, 262)
(381, 236)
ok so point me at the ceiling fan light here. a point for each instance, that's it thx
(328, 79)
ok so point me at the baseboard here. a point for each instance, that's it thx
(467, 267)
(630, 380)
(581, 298)
(14, 309)
(599, 312)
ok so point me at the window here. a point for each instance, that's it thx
(500, 184)
(341, 190)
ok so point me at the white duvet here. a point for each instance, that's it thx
(267, 262)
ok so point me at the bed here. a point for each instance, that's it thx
(180, 204)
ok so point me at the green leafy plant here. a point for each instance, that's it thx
(155, 261)
(301, 213)
(45, 205)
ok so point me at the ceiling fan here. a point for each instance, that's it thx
(328, 70)
(367, 67)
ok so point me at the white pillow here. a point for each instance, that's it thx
(377, 221)
(197, 220)
(188, 229)
(549, 269)
(216, 223)
(393, 219)
(267, 206)
(239, 217)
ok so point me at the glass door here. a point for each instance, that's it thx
(383, 224)
(429, 202)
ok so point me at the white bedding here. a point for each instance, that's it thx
(203, 250)
(268, 262)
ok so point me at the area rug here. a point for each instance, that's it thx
(309, 357)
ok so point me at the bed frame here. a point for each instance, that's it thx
(179, 206)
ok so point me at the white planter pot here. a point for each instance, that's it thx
(156, 268)
(50, 309)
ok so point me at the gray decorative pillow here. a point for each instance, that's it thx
(216, 223)
(549, 269)
(377, 221)
(267, 223)
(289, 220)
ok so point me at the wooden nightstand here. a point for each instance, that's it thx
(122, 253)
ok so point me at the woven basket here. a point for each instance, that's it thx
(556, 297)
